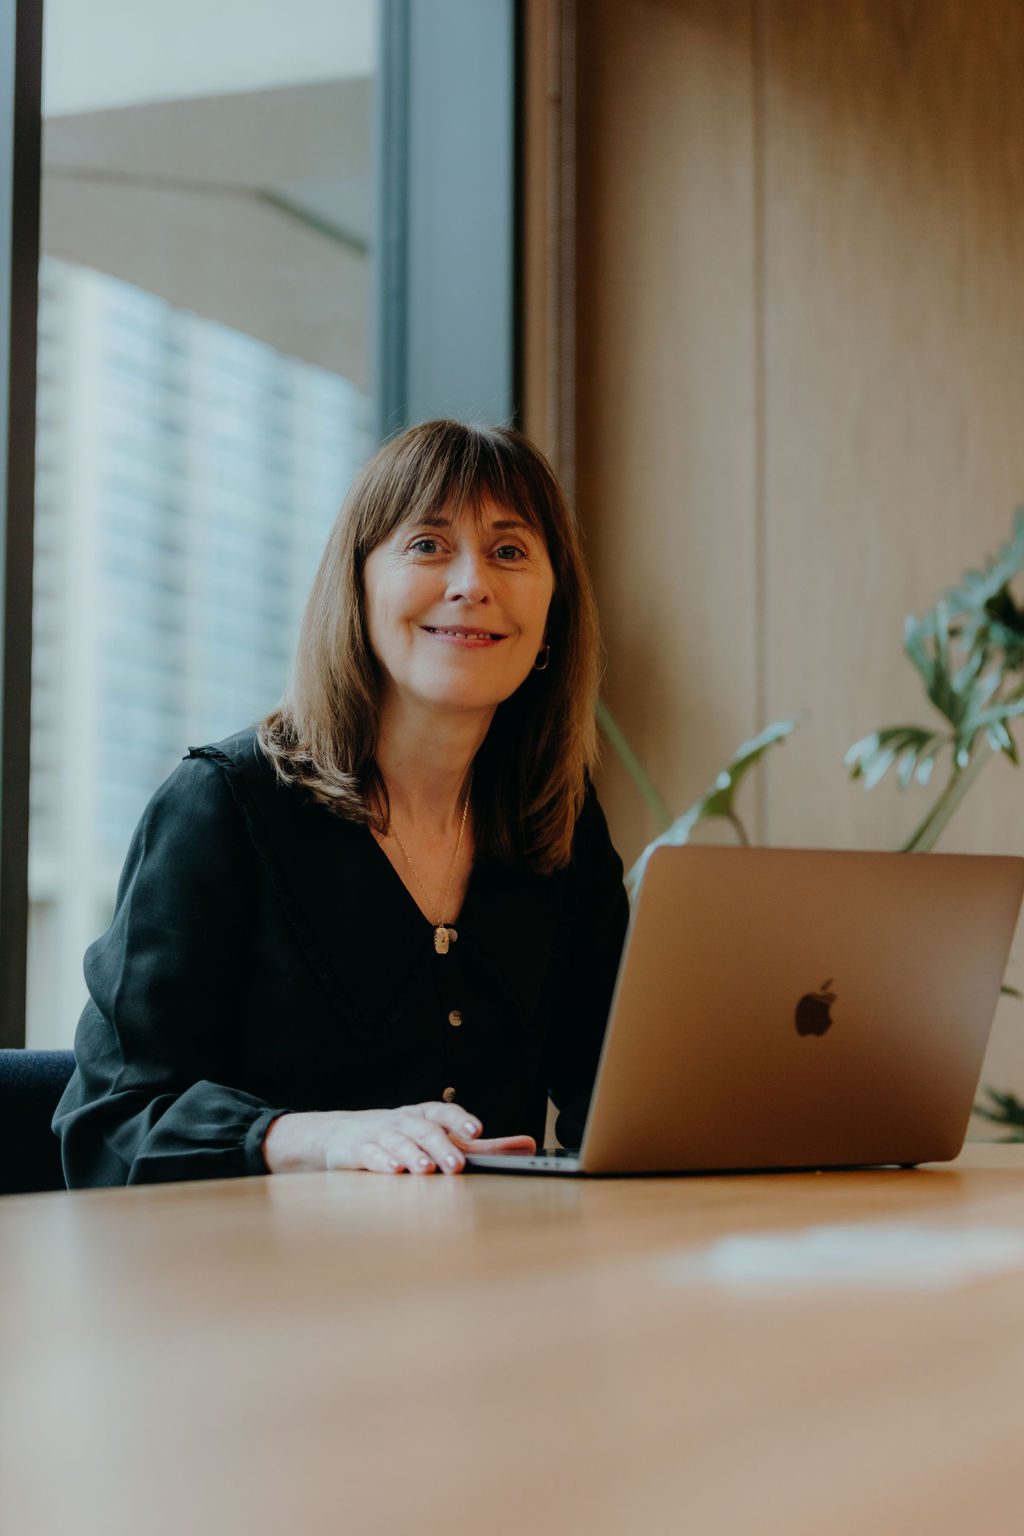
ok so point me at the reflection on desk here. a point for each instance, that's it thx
(355, 1352)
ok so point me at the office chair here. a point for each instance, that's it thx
(31, 1082)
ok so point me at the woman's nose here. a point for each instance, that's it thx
(468, 576)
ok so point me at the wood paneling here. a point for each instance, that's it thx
(536, 219)
(801, 232)
(548, 221)
(665, 394)
(893, 159)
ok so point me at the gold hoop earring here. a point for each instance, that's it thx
(545, 651)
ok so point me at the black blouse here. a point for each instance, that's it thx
(265, 957)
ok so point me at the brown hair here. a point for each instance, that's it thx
(530, 773)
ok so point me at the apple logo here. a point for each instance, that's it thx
(812, 1011)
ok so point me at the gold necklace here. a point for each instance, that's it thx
(443, 935)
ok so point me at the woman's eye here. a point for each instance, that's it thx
(510, 552)
(425, 546)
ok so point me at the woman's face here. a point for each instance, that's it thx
(456, 607)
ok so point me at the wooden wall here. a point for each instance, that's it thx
(800, 380)
(666, 466)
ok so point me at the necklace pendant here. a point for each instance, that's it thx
(441, 939)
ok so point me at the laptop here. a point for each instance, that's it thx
(782, 1008)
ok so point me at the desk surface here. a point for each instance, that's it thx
(804, 1353)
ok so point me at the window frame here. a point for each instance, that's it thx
(448, 263)
(21, 48)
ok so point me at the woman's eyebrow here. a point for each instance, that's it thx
(441, 519)
(430, 520)
(510, 525)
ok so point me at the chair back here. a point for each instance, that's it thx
(31, 1083)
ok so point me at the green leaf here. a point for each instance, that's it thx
(985, 592)
(718, 800)
(989, 616)
(986, 687)
(959, 689)
(1000, 740)
(971, 642)
(913, 644)
(1005, 1109)
(925, 764)
(870, 758)
(1000, 712)
(908, 762)
(943, 693)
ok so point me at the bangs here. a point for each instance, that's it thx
(447, 467)
(521, 513)
(495, 476)
(517, 500)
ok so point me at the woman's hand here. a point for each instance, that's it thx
(418, 1138)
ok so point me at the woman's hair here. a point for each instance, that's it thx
(530, 773)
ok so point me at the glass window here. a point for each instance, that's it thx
(203, 403)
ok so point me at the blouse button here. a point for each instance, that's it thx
(449, 1096)
(455, 1018)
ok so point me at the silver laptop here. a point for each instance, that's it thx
(780, 1008)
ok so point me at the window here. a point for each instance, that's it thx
(268, 236)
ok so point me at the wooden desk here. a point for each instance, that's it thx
(398, 1357)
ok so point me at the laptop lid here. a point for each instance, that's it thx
(801, 1008)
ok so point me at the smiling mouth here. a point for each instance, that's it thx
(462, 634)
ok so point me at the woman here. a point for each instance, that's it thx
(389, 919)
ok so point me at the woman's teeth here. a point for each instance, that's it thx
(462, 634)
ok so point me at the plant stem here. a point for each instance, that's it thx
(933, 825)
(660, 811)
(740, 829)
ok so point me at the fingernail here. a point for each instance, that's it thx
(394, 1164)
(453, 1162)
(471, 1128)
(424, 1162)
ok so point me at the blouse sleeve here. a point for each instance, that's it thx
(158, 1036)
(598, 913)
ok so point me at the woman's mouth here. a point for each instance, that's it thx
(478, 635)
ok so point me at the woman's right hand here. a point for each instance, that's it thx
(417, 1138)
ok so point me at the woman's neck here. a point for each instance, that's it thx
(425, 761)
